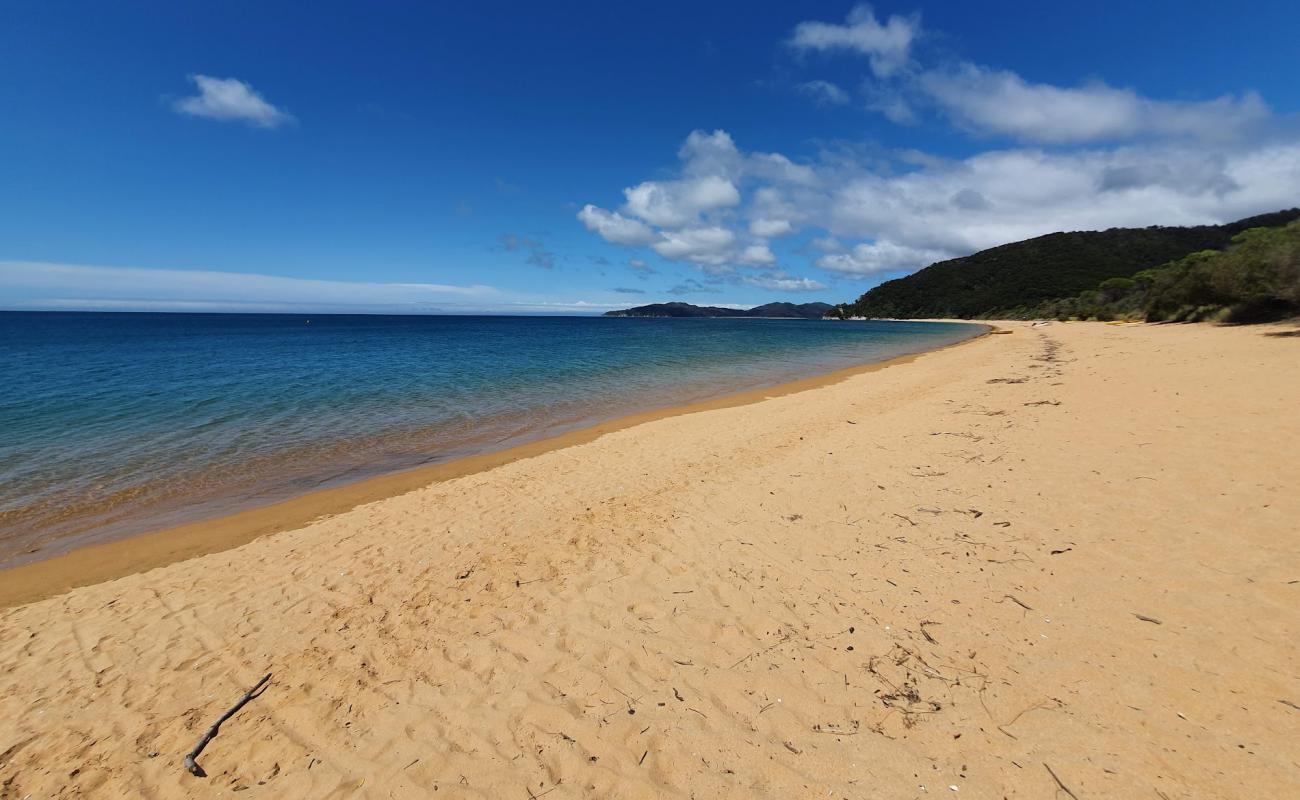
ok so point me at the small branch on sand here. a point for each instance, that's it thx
(1145, 618)
(926, 633)
(1064, 788)
(191, 765)
(1018, 602)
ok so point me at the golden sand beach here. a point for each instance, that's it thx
(1063, 562)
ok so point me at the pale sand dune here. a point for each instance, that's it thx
(819, 595)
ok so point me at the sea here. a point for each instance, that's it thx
(113, 424)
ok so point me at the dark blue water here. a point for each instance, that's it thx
(116, 423)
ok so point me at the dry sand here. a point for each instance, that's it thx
(1060, 562)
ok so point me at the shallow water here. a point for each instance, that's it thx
(112, 424)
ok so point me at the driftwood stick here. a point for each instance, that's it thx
(1018, 602)
(191, 765)
(1060, 783)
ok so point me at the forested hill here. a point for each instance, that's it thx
(781, 310)
(1012, 278)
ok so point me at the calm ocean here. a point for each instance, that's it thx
(112, 424)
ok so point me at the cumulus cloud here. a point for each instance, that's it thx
(697, 216)
(614, 227)
(1007, 195)
(767, 227)
(824, 93)
(230, 99)
(1084, 157)
(886, 45)
(869, 215)
(871, 257)
(758, 255)
(706, 245)
(677, 203)
(988, 101)
(1001, 102)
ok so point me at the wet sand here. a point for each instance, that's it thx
(1061, 560)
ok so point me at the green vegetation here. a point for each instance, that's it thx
(1094, 274)
(1257, 278)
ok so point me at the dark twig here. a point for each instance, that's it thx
(1018, 602)
(926, 633)
(1145, 618)
(1064, 788)
(191, 765)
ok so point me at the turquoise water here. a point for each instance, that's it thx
(112, 424)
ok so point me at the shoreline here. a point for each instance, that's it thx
(99, 562)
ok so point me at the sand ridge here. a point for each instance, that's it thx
(1063, 560)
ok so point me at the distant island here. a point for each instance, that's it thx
(769, 310)
(1242, 271)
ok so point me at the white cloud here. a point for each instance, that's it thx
(614, 227)
(784, 283)
(1117, 159)
(128, 285)
(1000, 102)
(766, 227)
(693, 217)
(675, 203)
(230, 99)
(1008, 195)
(870, 215)
(886, 45)
(42, 285)
(987, 101)
(824, 93)
(710, 154)
(869, 258)
(640, 267)
(708, 245)
(759, 255)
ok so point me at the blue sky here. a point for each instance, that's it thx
(575, 157)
